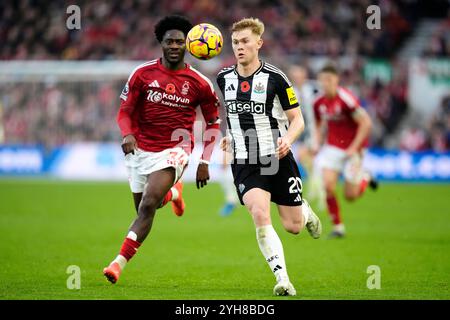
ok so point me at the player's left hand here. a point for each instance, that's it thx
(202, 175)
(283, 148)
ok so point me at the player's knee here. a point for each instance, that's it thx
(260, 215)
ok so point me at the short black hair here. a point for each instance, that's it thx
(330, 68)
(173, 22)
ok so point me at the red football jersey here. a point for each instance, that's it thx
(158, 106)
(337, 112)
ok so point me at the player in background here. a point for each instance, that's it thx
(348, 127)
(156, 118)
(264, 119)
(307, 90)
(226, 182)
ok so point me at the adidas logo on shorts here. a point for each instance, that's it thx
(298, 199)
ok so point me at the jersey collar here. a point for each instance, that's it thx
(254, 73)
(161, 66)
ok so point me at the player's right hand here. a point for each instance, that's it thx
(129, 144)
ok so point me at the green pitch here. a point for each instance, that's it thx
(47, 226)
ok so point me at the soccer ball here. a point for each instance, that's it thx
(204, 41)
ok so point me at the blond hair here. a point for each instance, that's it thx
(254, 24)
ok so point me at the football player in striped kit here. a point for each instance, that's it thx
(264, 120)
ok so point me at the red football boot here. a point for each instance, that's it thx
(178, 205)
(112, 272)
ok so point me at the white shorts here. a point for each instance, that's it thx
(334, 158)
(140, 164)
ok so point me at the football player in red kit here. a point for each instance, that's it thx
(156, 119)
(348, 129)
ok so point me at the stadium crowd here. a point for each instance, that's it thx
(124, 29)
(55, 113)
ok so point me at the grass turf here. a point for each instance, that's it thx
(45, 226)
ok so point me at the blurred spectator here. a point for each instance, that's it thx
(439, 127)
(53, 114)
(56, 113)
(124, 29)
(413, 139)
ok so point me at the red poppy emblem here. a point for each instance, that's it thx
(245, 86)
(170, 88)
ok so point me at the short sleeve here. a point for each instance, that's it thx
(285, 92)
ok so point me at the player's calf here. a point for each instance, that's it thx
(293, 227)
(292, 218)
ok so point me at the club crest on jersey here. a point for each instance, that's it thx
(185, 88)
(259, 88)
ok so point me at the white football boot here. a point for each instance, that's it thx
(313, 224)
(284, 288)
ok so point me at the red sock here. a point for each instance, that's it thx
(333, 210)
(129, 248)
(363, 186)
(167, 198)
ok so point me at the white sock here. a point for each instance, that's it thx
(339, 227)
(272, 250)
(175, 193)
(121, 260)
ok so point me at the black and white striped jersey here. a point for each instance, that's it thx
(255, 108)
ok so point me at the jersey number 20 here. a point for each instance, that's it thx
(296, 185)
